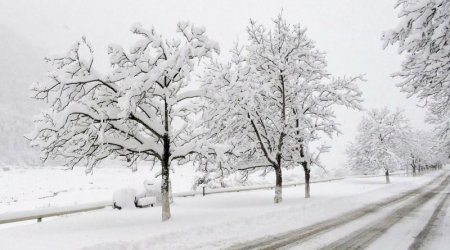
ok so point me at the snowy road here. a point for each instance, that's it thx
(429, 231)
(365, 236)
(382, 225)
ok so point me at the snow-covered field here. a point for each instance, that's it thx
(24, 188)
(30, 188)
(209, 222)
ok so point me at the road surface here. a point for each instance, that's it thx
(412, 220)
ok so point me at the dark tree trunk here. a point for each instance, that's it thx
(165, 165)
(307, 177)
(165, 180)
(387, 177)
(278, 182)
(414, 170)
(307, 171)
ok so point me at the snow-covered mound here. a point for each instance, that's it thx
(124, 198)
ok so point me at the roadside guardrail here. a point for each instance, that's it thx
(39, 214)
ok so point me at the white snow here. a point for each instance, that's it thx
(208, 222)
(125, 198)
(146, 201)
(399, 236)
(350, 34)
(442, 237)
(35, 188)
(402, 234)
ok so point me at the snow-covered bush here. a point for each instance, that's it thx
(146, 201)
(124, 198)
(152, 188)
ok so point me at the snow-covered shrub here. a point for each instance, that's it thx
(124, 198)
(152, 188)
(146, 201)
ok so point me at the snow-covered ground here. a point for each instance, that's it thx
(30, 188)
(23, 188)
(210, 222)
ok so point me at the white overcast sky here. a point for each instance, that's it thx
(348, 30)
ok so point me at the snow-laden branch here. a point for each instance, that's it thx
(422, 36)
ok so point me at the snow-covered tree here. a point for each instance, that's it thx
(379, 144)
(139, 111)
(273, 99)
(420, 148)
(423, 36)
(424, 150)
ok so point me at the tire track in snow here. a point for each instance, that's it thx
(364, 237)
(308, 232)
(426, 233)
